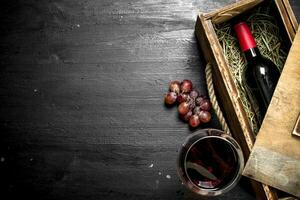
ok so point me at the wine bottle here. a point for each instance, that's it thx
(260, 76)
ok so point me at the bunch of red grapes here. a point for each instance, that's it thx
(193, 108)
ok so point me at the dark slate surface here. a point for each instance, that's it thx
(81, 85)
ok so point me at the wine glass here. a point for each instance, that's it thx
(210, 162)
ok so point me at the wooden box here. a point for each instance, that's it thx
(226, 89)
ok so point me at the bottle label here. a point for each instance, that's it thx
(244, 36)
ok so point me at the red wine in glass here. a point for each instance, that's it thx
(210, 162)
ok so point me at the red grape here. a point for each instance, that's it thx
(199, 99)
(186, 86)
(182, 97)
(205, 116)
(187, 116)
(194, 121)
(194, 94)
(193, 108)
(183, 108)
(170, 98)
(192, 103)
(197, 110)
(205, 105)
(175, 87)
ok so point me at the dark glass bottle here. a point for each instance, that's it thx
(261, 75)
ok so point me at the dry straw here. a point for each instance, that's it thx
(267, 36)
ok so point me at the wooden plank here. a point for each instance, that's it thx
(230, 11)
(291, 14)
(275, 158)
(289, 25)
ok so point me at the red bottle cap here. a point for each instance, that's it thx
(244, 36)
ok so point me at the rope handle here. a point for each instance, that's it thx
(213, 99)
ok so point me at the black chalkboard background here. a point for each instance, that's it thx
(81, 106)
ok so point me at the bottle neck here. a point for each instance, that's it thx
(252, 54)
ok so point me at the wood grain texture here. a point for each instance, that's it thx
(82, 85)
